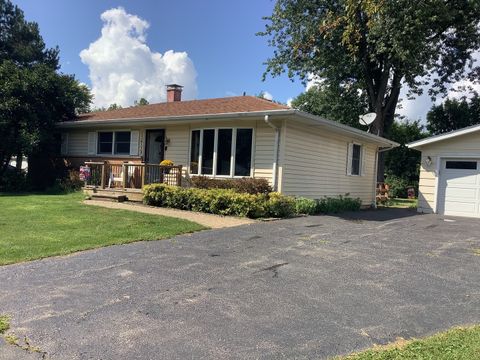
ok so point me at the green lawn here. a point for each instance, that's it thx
(400, 203)
(458, 344)
(37, 226)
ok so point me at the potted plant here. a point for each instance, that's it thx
(167, 164)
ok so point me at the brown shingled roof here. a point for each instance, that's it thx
(234, 104)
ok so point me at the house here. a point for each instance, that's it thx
(450, 173)
(243, 136)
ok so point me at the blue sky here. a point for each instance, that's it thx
(218, 35)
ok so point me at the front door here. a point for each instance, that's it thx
(155, 146)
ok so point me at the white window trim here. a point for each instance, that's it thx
(215, 148)
(112, 154)
(361, 171)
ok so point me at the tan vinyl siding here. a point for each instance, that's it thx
(315, 165)
(177, 149)
(77, 143)
(461, 146)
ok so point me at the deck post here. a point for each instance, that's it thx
(125, 175)
(179, 176)
(143, 174)
(102, 181)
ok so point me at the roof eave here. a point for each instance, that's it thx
(452, 134)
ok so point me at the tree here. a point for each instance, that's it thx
(375, 45)
(141, 102)
(453, 114)
(403, 162)
(333, 103)
(114, 106)
(33, 96)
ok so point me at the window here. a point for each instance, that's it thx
(224, 151)
(122, 142)
(243, 152)
(355, 159)
(195, 151)
(461, 165)
(105, 142)
(117, 142)
(221, 152)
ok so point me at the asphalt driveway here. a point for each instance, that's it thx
(301, 288)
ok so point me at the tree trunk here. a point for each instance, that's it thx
(19, 162)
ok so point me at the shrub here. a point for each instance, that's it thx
(305, 206)
(280, 206)
(333, 205)
(13, 181)
(398, 186)
(243, 185)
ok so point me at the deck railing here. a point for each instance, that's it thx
(130, 175)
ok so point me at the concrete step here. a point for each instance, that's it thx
(119, 198)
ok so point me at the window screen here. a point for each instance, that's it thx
(122, 142)
(105, 142)
(207, 151)
(461, 165)
(224, 151)
(243, 152)
(194, 151)
(356, 159)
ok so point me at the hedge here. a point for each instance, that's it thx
(242, 185)
(231, 202)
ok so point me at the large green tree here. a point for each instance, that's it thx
(33, 96)
(453, 114)
(375, 45)
(333, 103)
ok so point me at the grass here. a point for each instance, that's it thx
(402, 203)
(38, 226)
(457, 343)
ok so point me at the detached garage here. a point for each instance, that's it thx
(450, 173)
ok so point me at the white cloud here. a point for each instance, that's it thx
(289, 102)
(123, 68)
(267, 96)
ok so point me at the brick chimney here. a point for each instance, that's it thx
(174, 92)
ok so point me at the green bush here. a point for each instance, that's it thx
(231, 202)
(13, 181)
(219, 201)
(334, 205)
(305, 206)
(280, 206)
(398, 186)
(243, 185)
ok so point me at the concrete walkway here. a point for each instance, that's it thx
(212, 221)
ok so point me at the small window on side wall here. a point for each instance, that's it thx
(354, 161)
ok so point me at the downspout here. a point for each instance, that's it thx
(379, 150)
(275, 153)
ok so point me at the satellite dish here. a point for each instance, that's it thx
(367, 119)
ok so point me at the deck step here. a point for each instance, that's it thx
(119, 198)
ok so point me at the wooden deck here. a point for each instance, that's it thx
(125, 181)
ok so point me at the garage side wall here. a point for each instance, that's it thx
(315, 164)
(466, 146)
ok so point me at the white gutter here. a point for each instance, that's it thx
(275, 153)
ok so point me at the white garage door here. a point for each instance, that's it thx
(459, 187)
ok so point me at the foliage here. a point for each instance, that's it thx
(215, 201)
(141, 102)
(33, 96)
(342, 104)
(166, 162)
(280, 206)
(243, 185)
(66, 184)
(305, 206)
(453, 114)
(402, 161)
(457, 343)
(114, 106)
(230, 202)
(38, 226)
(377, 46)
(399, 186)
(13, 180)
(334, 205)
(4, 323)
